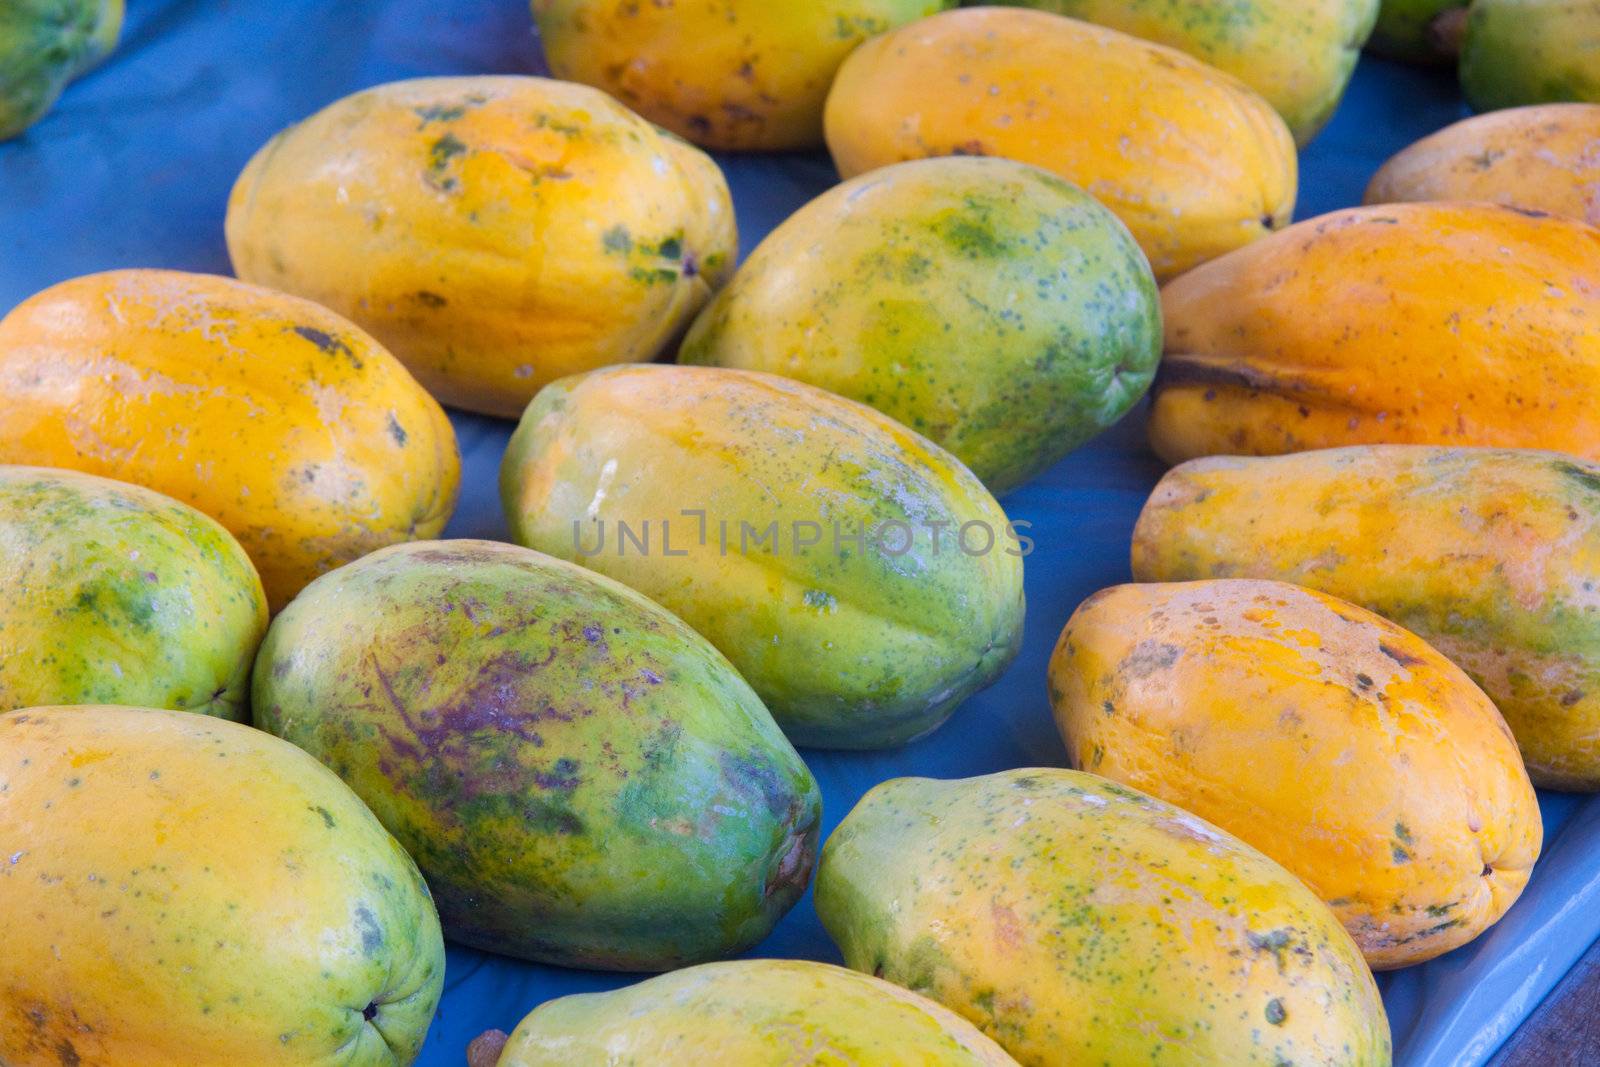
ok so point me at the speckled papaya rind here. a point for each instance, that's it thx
(1519, 52)
(1298, 54)
(755, 1013)
(279, 419)
(990, 306)
(1440, 324)
(582, 778)
(44, 44)
(1336, 742)
(117, 594)
(1075, 920)
(867, 637)
(733, 75)
(182, 889)
(1541, 158)
(1492, 556)
(1192, 160)
(496, 233)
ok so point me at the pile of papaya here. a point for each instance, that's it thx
(266, 740)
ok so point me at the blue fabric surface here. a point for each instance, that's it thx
(133, 169)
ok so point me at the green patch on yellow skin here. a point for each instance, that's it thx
(116, 594)
(537, 736)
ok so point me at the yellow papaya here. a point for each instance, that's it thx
(496, 233)
(1336, 742)
(1441, 324)
(860, 578)
(117, 594)
(753, 1013)
(1298, 54)
(183, 890)
(1077, 921)
(1487, 554)
(1191, 159)
(284, 422)
(1541, 158)
(735, 75)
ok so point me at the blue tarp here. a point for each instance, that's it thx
(133, 168)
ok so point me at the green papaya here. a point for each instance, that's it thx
(116, 594)
(1518, 52)
(582, 778)
(44, 44)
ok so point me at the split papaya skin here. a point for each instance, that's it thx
(287, 424)
(1336, 742)
(1490, 555)
(1193, 161)
(1441, 324)
(1540, 158)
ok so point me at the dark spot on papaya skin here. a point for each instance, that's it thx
(397, 431)
(432, 300)
(1529, 212)
(1108, 707)
(563, 776)
(1487, 870)
(1364, 680)
(328, 344)
(370, 1012)
(1268, 222)
(492, 702)
(1275, 1012)
(755, 777)
(327, 816)
(1150, 656)
(1405, 659)
(67, 1054)
(367, 927)
(1571, 697)
(442, 151)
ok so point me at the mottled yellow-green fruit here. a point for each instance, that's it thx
(1298, 54)
(495, 233)
(859, 577)
(44, 44)
(1077, 921)
(753, 1013)
(1419, 31)
(179, 889)
(111, 593)
(992, 307)
(727, 74)
(1270, 709)
(1491, 555)
(1531, 52)
(581, 777)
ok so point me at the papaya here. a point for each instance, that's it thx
(1540, 158)
(734, 75)
(755, 1013)
(1267, 708)
(1518, 52)
(582, 779)
(45, 44)
(1436, 539)
(860, 578)
(114, 593)
(1419, 31)
(285, 423)
(1298, 54)
(1191, 159)
(988, 305)
(496, 233)
(1437, 324)
(180, 889)
(1077, 921)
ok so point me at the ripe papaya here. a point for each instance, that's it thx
(1540, 158)
(582, 778)
(1191, 159)
(284, 422)
(114, 593)
(1490, 555)
(1298, 54)
(1077, 921)
(1336, 742)
(180, 889)
(988, 305)
(1441, 324)
(496, 233)
(735, 75)
(859, 577)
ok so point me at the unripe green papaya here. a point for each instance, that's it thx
(116, 594)
(44, 44)
(582, 779)
(1531, 52)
